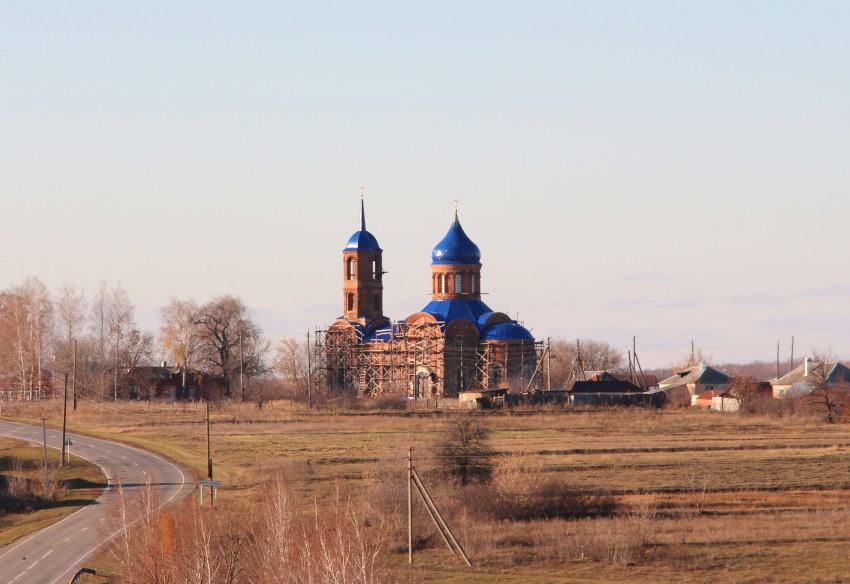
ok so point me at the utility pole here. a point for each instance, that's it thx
(548, 363)
(777, 359)
(209, 452)
(74, 387)
(64, 420)
(309, 374)
(410, 505)
(115, 377)
(241, 370)
(691, 362)
(46, 474)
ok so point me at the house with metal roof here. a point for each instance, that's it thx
(455, 343)
(696, 380)
(803, 379)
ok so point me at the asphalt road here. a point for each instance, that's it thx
(54, 554)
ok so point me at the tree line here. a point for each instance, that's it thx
(45, 335)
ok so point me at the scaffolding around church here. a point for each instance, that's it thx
(417, 359)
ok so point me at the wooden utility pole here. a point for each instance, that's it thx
(309, 374)
(209, 451)
(691, 362)
(74, 384)
(548, 363)
(64, 421)
(777, 359)
(410, 505)
(46, 474)
(241, 370)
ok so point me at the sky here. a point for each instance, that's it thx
(670, 171)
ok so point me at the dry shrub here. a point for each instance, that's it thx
(523, 492)
(623, 540)
(267, 542)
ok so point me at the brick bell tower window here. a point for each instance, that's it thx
(350, 301)
(458, 283)
(350, 269)
(473, 284)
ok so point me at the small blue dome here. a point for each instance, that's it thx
(362, 240)
(456, 248)
(506, 331)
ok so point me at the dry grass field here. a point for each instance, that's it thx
(22, 468)
(691, 496)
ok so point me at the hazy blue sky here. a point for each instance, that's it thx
(671, 170)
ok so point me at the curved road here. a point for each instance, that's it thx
(54, 554)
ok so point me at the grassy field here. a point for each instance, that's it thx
(74, 486)
(700, 497)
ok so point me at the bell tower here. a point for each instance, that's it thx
(362, 285)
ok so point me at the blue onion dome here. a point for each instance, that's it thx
(362, 240)
(506, 331)
(456, 247)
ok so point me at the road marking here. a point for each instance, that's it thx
(84, 528)
(19, 575)
(103, 519)
(47, 554)
(66, 539)
(33, 564)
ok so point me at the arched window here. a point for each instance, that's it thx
(473, 283)
(458, 283)
(376, 270)
(442, 283)
(350, 271)
(350, 301)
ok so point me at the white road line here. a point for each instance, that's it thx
(103, 519)
(66, 539)
(33, 564)
(84, 529)
(19, 575)
(47, 554)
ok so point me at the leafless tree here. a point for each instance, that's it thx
(70, 320)
(595, 356)
(179, 333)
(26, 328)
(290, 362)
(828, 397)
(745, 389)
(227, 335)
(464, 451)
(690, 360)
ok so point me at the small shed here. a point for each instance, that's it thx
(483, 398)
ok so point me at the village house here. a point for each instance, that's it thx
(175, 383)
(803, 379)
(695, 380)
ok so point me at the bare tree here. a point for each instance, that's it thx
(829, 397)
(464, 451)
(290, 362)
(228, 339)
(70, 320)
(690, 360)
(595, 356)
(179, 333)
(745, 389)
(26, 328)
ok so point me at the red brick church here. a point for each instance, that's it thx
(455, 343)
